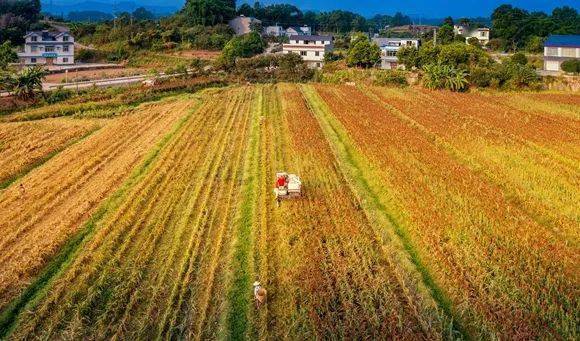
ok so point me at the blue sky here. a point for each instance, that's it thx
(424, 8)
(416, 8)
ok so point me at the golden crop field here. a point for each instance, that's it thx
(425, 215)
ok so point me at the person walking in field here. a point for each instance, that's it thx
(259, 294)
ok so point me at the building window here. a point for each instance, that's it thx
(49, 49)
(552, 51)
(33, 60)
(318, 65)
(65, 60)
(317, 54)
(34, 38)
(34, 48)
(65, 48)
(568, 52)
(306, 42)
(391, 53)
(65, 38)
(303, 53)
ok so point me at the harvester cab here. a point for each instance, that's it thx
(288, 186)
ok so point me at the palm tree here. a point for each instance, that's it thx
(26, 83)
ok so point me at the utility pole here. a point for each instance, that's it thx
(434, 37)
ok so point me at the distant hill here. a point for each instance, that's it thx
(91, 16)
(104, 7)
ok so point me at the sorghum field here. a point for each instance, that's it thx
(425, 215)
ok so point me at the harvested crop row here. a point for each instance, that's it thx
(55, 199)
(555, 104)
(536, 184)
(350, 282)
(155, 264)
(24, 146)
(494, 262)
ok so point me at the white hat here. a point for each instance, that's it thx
(256, 283)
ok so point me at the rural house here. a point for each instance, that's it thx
(481, 33)
(274, 31)
(559, 48)
(242, 24)
(389, 48)
(298, 31)
(48, 48)
(311, 48)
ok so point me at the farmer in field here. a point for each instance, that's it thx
(259, 294)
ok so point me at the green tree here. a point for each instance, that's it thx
(246, 10)
(25, 84)
(142, 14)
(535, 44)
(445, 34)
(566, 20)
(362, 52)
(7, 55)
(208, 12)
(244, 46)
(408, 56)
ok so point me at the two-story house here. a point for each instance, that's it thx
(389, 48)
(481, 33)
(559, 48)
(311, 48)
(44, 47)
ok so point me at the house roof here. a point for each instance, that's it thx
(46, 35)
(311, 38)
(563, 40)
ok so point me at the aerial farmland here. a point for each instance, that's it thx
(423, 215)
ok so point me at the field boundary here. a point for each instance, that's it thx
(66, 255)
(351, 163)
(27, 169)
(240, 281)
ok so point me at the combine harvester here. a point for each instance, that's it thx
(288, 186)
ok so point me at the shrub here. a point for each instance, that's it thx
(58, 95)
(269, 68)
(519, 58)
(473, 41)
(572, 66)
(441, 76)
(332, 56)
(522, 76)
(481, 77)
(391, 78)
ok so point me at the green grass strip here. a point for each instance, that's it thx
(241, 282)
(355, 166)
(68, 252)
(29, 168)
